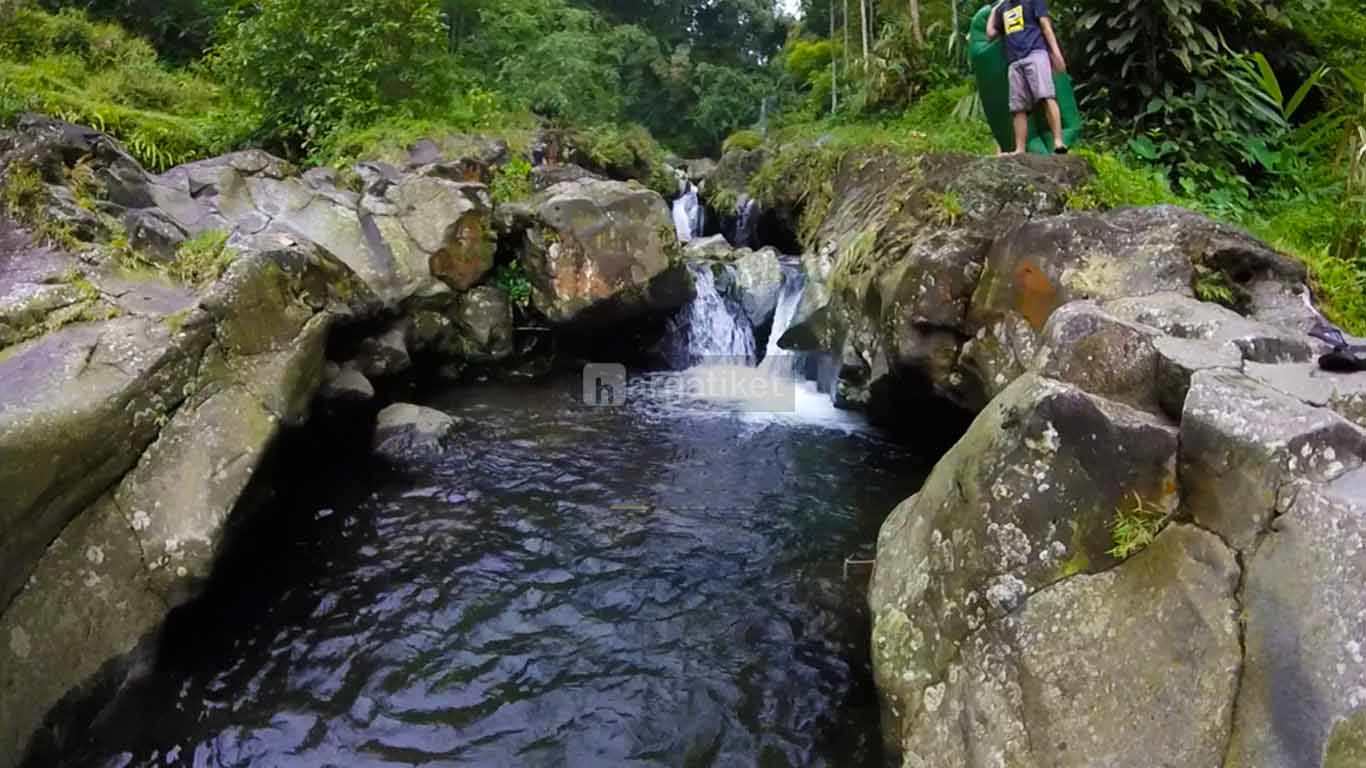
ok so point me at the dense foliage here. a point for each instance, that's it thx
(1253, 112)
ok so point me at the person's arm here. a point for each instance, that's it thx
(1054, 50)
(993, 29)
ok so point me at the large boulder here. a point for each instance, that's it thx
(603, 251)
(78, 408)
(1026, 499)
(1125, 361)
(1133, 667)
(905, 241)
(125, 447)
(758, 282)
(1284, 483)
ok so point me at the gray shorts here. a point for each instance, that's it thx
(1031, 81)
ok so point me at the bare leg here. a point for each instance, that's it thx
(1054, 121)
(1021, 132)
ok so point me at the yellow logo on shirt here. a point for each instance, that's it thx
(1014, 19)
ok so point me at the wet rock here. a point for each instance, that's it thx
(483, 322)
(1024, 500)
(713, 247)
(1136, 666)
(346, 384)
(177, 500)
(698, 169)
(758, 282)
(384, 355)
(406, 432)
(729, 179)
(1243, 447)
(812, 328)
(603, 252)
(88, 601)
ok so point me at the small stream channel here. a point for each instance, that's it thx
(657, 584)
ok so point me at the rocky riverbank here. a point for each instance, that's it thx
(1147, 548)
(157, 333)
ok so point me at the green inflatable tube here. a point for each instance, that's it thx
(989, 64)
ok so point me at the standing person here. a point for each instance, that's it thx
(1034, 54)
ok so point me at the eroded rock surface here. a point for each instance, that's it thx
(603, 251)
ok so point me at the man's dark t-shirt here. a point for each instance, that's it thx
(1018, 20)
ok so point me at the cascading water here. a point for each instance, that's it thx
(688, 213)
(711, 328)
(746, 223)
(777, 361)
(710, 345)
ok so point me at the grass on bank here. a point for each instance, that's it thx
(96, 74)
(1301, 216)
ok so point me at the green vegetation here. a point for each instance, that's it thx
(512, 279)
(96, 74)
(1253, 113)
(512, 181)
(332, 80)
(743, 141)
(202, 259)
(1135, 527)
(24, 195)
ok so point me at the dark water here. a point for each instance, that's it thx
(567, 587)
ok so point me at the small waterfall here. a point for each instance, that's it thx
(746, 223)
(713, 328)
(779, 362)
(687, 211)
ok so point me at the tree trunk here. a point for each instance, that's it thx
(834, 66)
(846, 37)
(957, 36)
(863, 26)
(916, 33)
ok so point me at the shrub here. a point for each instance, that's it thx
(1117, 184)
(512, 279)
(745, 141)
(798, 176)
(314, 65)
(624, 152)
(512, 181)
(389, 139)
(95, 74)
